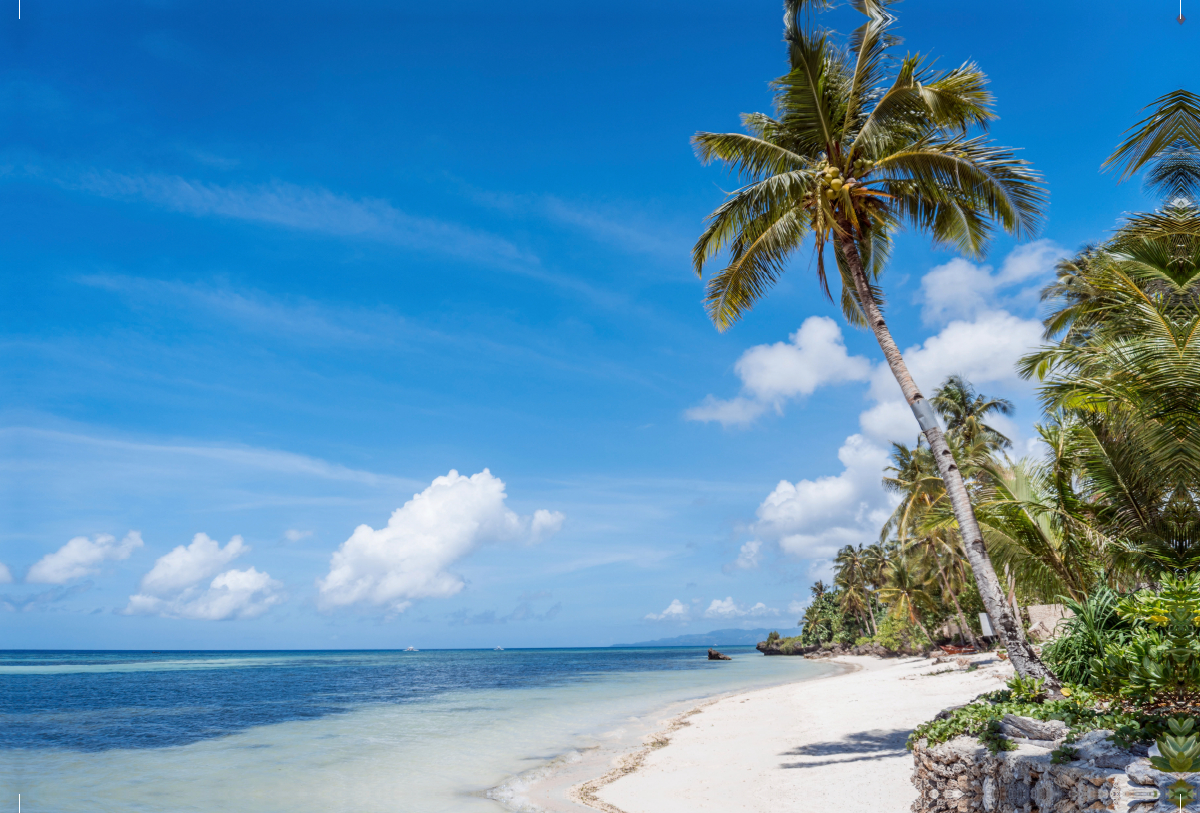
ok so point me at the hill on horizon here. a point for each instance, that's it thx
(730, 637)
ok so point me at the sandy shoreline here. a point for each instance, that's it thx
(834, 742)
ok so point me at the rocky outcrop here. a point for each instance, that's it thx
(773, 648)
(961, 775)
(714, 655)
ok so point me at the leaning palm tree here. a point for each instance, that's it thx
(847, 159)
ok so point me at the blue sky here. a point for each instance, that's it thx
(270, 270)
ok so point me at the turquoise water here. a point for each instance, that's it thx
(330, 731)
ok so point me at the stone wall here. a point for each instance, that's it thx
(962, 776)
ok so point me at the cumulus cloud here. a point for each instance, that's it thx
(961, 289)
(814, 356)
(811, 519)
(748, 555)
(408, 559)
(174, 586)
(985, 351)
(5, 574)
(81, 557)
(676, 611)
(728, 608)
(183, 567)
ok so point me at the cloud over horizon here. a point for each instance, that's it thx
(172, 588)
(408, 559)
(80, 557)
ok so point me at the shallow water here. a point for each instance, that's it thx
(329, 731)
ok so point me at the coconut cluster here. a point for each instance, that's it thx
(833, 183)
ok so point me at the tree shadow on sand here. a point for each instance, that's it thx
(856, 747)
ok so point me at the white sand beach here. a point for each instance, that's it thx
(835, 743)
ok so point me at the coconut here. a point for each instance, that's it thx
(830, 194)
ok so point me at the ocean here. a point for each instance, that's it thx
(462, 731)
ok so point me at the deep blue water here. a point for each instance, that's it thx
(95, 701)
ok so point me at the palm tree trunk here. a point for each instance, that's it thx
(1024, 659)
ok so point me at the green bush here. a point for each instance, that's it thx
(982, 719)
(1083, 638)
(901, 635)
(1159, 662)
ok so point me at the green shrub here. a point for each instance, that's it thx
(982, 719)
(1083, 638)
(901, 635)
(1159, 662)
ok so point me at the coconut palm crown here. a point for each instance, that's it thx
(850, 153)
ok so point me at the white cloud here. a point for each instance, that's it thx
(5, 574)
(748, 555)
(173, 589)
(798, 607)
(1031, 260)
(295, 535)
(728, 608)
(811, 519)
(232, 594)
(813, 356)
(183, 567)
(734, 412)
(408, 558)
(985, 351)
(81, 557)
(676, 611)
(961, 289)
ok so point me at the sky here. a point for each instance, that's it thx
(373, 325)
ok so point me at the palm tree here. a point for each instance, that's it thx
(906, 592)
(847, 160)
(964, 410)
(1124, 369)
(854, 597)
(914, 477)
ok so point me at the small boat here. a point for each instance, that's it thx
(498, 649)
(412, 649)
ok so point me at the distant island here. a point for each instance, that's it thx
(733, 637)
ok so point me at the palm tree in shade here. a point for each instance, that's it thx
(906, 591)
(850, 156)
(851, 580)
